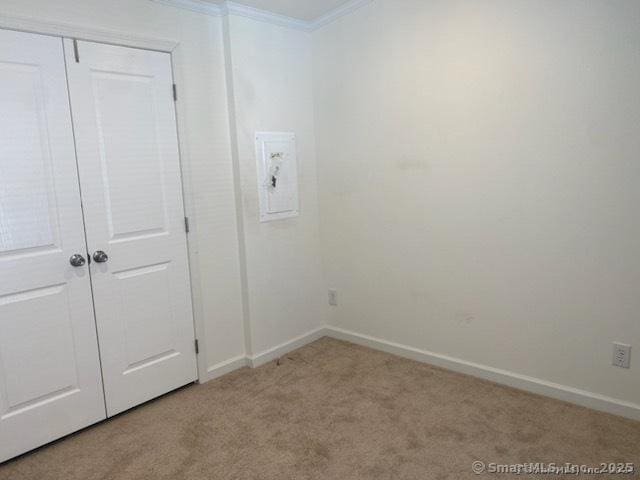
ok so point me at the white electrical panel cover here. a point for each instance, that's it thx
(277, 175)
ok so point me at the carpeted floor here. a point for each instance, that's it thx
(333, 410)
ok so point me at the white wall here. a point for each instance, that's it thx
(271, 73)
(479, 170)
(205, 143)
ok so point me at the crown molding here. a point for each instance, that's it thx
(234, 8)
(198, 6)
(336, 13)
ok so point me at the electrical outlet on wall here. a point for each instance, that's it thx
(621, 355)
(333, 297)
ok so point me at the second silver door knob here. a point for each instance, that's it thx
(100, 257)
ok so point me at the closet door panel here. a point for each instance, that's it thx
(125, 125)
(50, 382)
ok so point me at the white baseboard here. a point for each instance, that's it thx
(225, 367)
(504, 377)
(284, 348)
(260, 359)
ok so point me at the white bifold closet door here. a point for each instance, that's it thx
(128, 159)
(49, 368)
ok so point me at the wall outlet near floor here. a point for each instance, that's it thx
(621, 355)
(333, 297)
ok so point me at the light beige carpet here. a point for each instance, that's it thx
(333, 410)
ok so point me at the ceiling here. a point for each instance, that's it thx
(301, 9)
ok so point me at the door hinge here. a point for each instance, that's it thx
(76, 52)
(197, 345)
(175, 92)
(187, 228)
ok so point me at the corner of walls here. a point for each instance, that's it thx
(266, 356)
(279, 351)
(233, 133)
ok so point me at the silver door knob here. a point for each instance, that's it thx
(77, 260)
(100, 257)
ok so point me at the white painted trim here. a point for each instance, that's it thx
(333, 15)
(286, 347)
(234, 8)
(504, 377)
(222, 368)
(197, 6)
(113, 37)
(262, 358)
(255, 361)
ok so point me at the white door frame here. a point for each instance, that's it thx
(114, 37)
